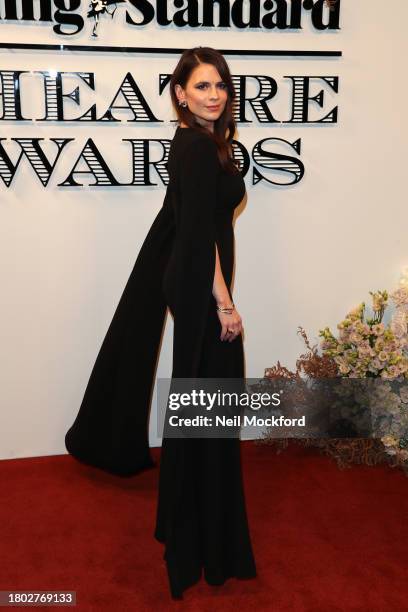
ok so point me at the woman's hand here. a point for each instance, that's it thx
(231, 325)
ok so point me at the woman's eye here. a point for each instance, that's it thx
(202, 85)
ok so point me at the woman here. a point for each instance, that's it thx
(185, 264)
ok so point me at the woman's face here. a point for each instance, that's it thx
(204, 90)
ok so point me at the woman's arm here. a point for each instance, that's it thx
(195, 256)
(194, 252)
(221, 294)
(220, 290)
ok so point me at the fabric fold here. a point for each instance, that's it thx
(111, 427)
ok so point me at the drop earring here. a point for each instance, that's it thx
(182, 103)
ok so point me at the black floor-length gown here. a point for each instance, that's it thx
(201, 515)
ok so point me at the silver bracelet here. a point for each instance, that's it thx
(226, 309)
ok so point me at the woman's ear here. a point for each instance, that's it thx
(179, 92)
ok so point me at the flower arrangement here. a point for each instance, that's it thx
(365, 348)
(368, 348)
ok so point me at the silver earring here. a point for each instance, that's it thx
(182, 103)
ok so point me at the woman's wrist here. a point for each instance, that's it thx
(224, 302)
(227, 310)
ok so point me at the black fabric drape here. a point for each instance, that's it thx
(194, 254)
(111, 428)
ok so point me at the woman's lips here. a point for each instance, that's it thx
(213, 107)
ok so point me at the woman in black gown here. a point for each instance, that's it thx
(185, 264)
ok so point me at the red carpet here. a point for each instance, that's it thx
(324, 539)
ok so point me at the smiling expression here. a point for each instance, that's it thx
(206, 94)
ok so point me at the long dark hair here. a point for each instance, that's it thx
(224, 126)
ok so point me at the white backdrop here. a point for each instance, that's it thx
(305, 253)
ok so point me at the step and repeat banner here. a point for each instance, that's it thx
(85, 128)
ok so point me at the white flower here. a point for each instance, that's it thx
(378, 329)
(393, 371)
(343, 366)
(344, 335)
(398, 324)
(355, 337)
(384, 374)
(400, 296)
(364, 351)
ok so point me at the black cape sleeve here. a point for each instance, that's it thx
(111, 427)
(195, 253)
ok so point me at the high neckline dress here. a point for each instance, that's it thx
(201, 515)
